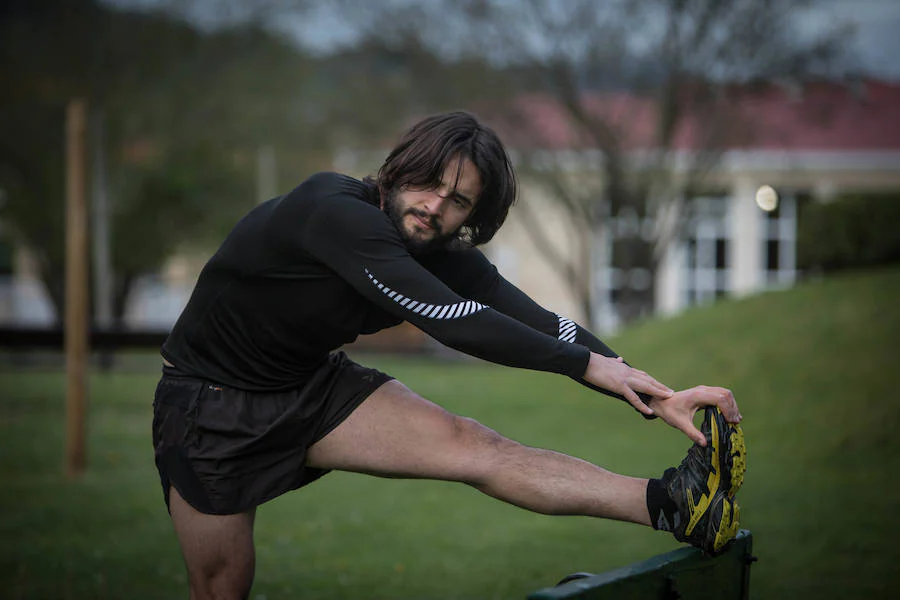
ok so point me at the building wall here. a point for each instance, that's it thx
(24, 301)
(520, 260)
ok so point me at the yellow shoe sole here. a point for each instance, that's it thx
(738, 459)
(728, 526)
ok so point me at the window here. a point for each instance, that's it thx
(771, 255)
(706, 251)
(779, 243)
(721, 245)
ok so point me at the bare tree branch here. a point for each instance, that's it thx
(642, 83)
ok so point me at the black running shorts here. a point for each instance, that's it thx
(227, 451)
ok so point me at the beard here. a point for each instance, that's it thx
(415, 245)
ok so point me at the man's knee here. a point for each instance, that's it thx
(218, 550)
(221, 577)
(483, 449)
(469, 432)
(222, 585)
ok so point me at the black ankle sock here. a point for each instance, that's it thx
(663, 512)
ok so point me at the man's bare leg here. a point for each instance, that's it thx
(218, 550)
(397, 433)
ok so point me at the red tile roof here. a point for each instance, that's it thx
(820, 117)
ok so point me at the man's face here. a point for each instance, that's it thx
(428, 218)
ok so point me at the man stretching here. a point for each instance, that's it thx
(255, 399)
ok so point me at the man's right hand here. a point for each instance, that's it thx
(678, 409)
(614, 375)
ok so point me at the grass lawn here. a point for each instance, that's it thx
(813, 370)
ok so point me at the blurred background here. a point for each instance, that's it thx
(642, 132)
(694, 173)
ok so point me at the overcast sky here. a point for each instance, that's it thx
(876, 44)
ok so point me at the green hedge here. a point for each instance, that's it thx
(858, 230)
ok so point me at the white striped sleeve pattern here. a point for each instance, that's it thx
(567, 330)
(431, 311)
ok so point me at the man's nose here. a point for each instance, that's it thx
(434, 205)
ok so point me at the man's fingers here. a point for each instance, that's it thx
(664, 390)
(720, 397)
(728, 405)
(693, 433)
(643, 382)
(635, 401)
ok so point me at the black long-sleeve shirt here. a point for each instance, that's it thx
(305, 273)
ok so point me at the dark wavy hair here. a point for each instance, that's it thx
(424, 151)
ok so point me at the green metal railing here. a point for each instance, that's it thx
(685, 573)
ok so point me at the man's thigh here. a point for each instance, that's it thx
(397, 433)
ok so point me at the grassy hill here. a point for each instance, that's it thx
(812, 368)
(814, 371)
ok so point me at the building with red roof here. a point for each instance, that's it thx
(814, 141)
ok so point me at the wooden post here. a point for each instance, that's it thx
(76, 297)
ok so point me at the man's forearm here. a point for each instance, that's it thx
(594, 344)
